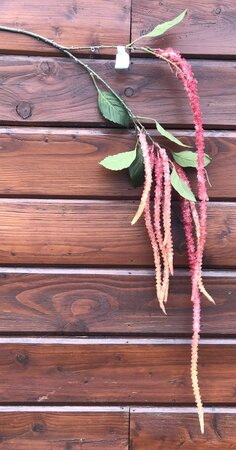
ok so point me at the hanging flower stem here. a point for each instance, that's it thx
(161, 173)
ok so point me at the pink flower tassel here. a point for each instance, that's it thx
(145, 206)
(165, 244)
(194, 213)
(156, 253)
(184, 72)
(167, 208)
(190, 214)
(158, 226)
(148, 176)
(194, 359)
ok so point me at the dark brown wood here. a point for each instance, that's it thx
(110, 302)
(63, 430)
(77, 23)
(166, 430)
(65, 162)
(99, 233)
(55, 90)
(117, 371)
(208, 29)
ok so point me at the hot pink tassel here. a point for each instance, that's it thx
(184, 72)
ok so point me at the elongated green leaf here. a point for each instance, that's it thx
(181, 187)
(136, 170)
(119, 161)
(168, 135)
(189, 159)
(163, 27)
(112, 109)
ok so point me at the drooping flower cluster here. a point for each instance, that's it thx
(158, 224)
(158, 221)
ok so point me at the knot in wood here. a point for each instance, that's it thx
(129, 92)
(24, 110)
(38, 427)
(47, 67)
(22, 358)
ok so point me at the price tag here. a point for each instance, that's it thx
(122, 58)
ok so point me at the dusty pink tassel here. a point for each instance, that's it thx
(158, 195)
(166, 243)
(167, 208)
(148, 176)
(145, 206)
(156, 253)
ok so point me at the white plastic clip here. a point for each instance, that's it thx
(122, 58)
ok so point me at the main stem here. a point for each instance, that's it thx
(90, 71)
(66, 50)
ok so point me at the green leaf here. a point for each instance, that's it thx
(136, 170)
(168, 135)
(189, 159)
(163, 27)
(119, 161)
(112, 109)
(181, 187)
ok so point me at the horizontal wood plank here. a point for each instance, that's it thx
(208, 28)
(94, 233)
(70, 23)
(63, 430)
(55, 90)
(105, 371)
(166, 430)
(115, 301)
(65, 162)
(88, 232)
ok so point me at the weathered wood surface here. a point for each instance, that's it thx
(68, 22)
(115, 301)
(85, 232)
(55, 90)
(65, 162)
(180, 429)
(63, 430)
(208, 29)
(91, 371)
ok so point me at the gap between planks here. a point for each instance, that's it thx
(82, 340)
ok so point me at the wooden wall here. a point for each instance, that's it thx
(87, 359)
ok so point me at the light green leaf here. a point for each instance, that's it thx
(119, 161)
(168, 135)
(112, 109)
(181, 187)
(163, 27)
(136, 170)
(189, 159)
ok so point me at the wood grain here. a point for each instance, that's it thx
(166, 430)
(99, 233)
(54, 90)
(208, 29)
(65, 162)
(79, 301)
(64, 430)
(105, 371)
(68, 22)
